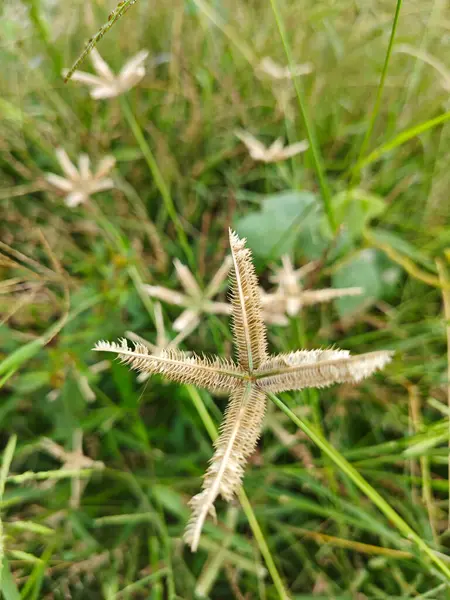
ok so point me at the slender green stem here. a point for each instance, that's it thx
(157, 176)
(362, 484)
(262, 544)
(42, 32)
(211, 570)
(54, 474)
(309, 128)
(137, 585)
(400, 139)
(246, 506)
(113, 17)
(376, 107)
(234, 37)
(6, 463)
(202, 411)
(139, 287)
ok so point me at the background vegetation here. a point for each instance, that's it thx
(73, 276)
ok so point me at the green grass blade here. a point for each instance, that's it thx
(228, 31)
(246, 506)
(400, 139)
(362, 484)
(42, 32)
(14, 361)
(376, 107)
(157, 177)
(6, 464)
(309, 128)
(8, 587)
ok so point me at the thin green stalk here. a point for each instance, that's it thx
(202, 411)
(6, 463)
(379, 95)
(443, 277)
(54, 474)
(157, 176)
(137, 585)
(262, 544)
(235, 38)
(216, 559)
(113, 17)
(362, 484)
(400, 139)
(42, 32)
(309, 128)
(246, 506)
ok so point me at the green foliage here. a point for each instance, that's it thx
(370, 270)
(355, 209)
(285, 221)
(72, 276)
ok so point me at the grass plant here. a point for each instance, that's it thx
(347, 494)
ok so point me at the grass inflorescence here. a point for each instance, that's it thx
(347, 494)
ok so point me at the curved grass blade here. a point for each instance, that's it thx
(363, 485)
(309, 128)
(400, 139)
(376, 107)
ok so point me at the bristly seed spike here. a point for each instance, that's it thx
(247, 382)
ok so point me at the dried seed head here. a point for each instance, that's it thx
(248, 325)
(237, 441)
(215, 374)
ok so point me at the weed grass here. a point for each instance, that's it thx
(377, 122)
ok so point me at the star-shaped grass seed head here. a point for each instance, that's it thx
(162, 342)
(106, 84)
(247, 380)
(80, 183)
(290, 296)
(72, 461)
(276, 152)
(195, 301)
(276, 71)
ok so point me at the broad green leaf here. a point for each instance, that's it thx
(371, 270)
(356, 208)
(285, 221)
(360, 271)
